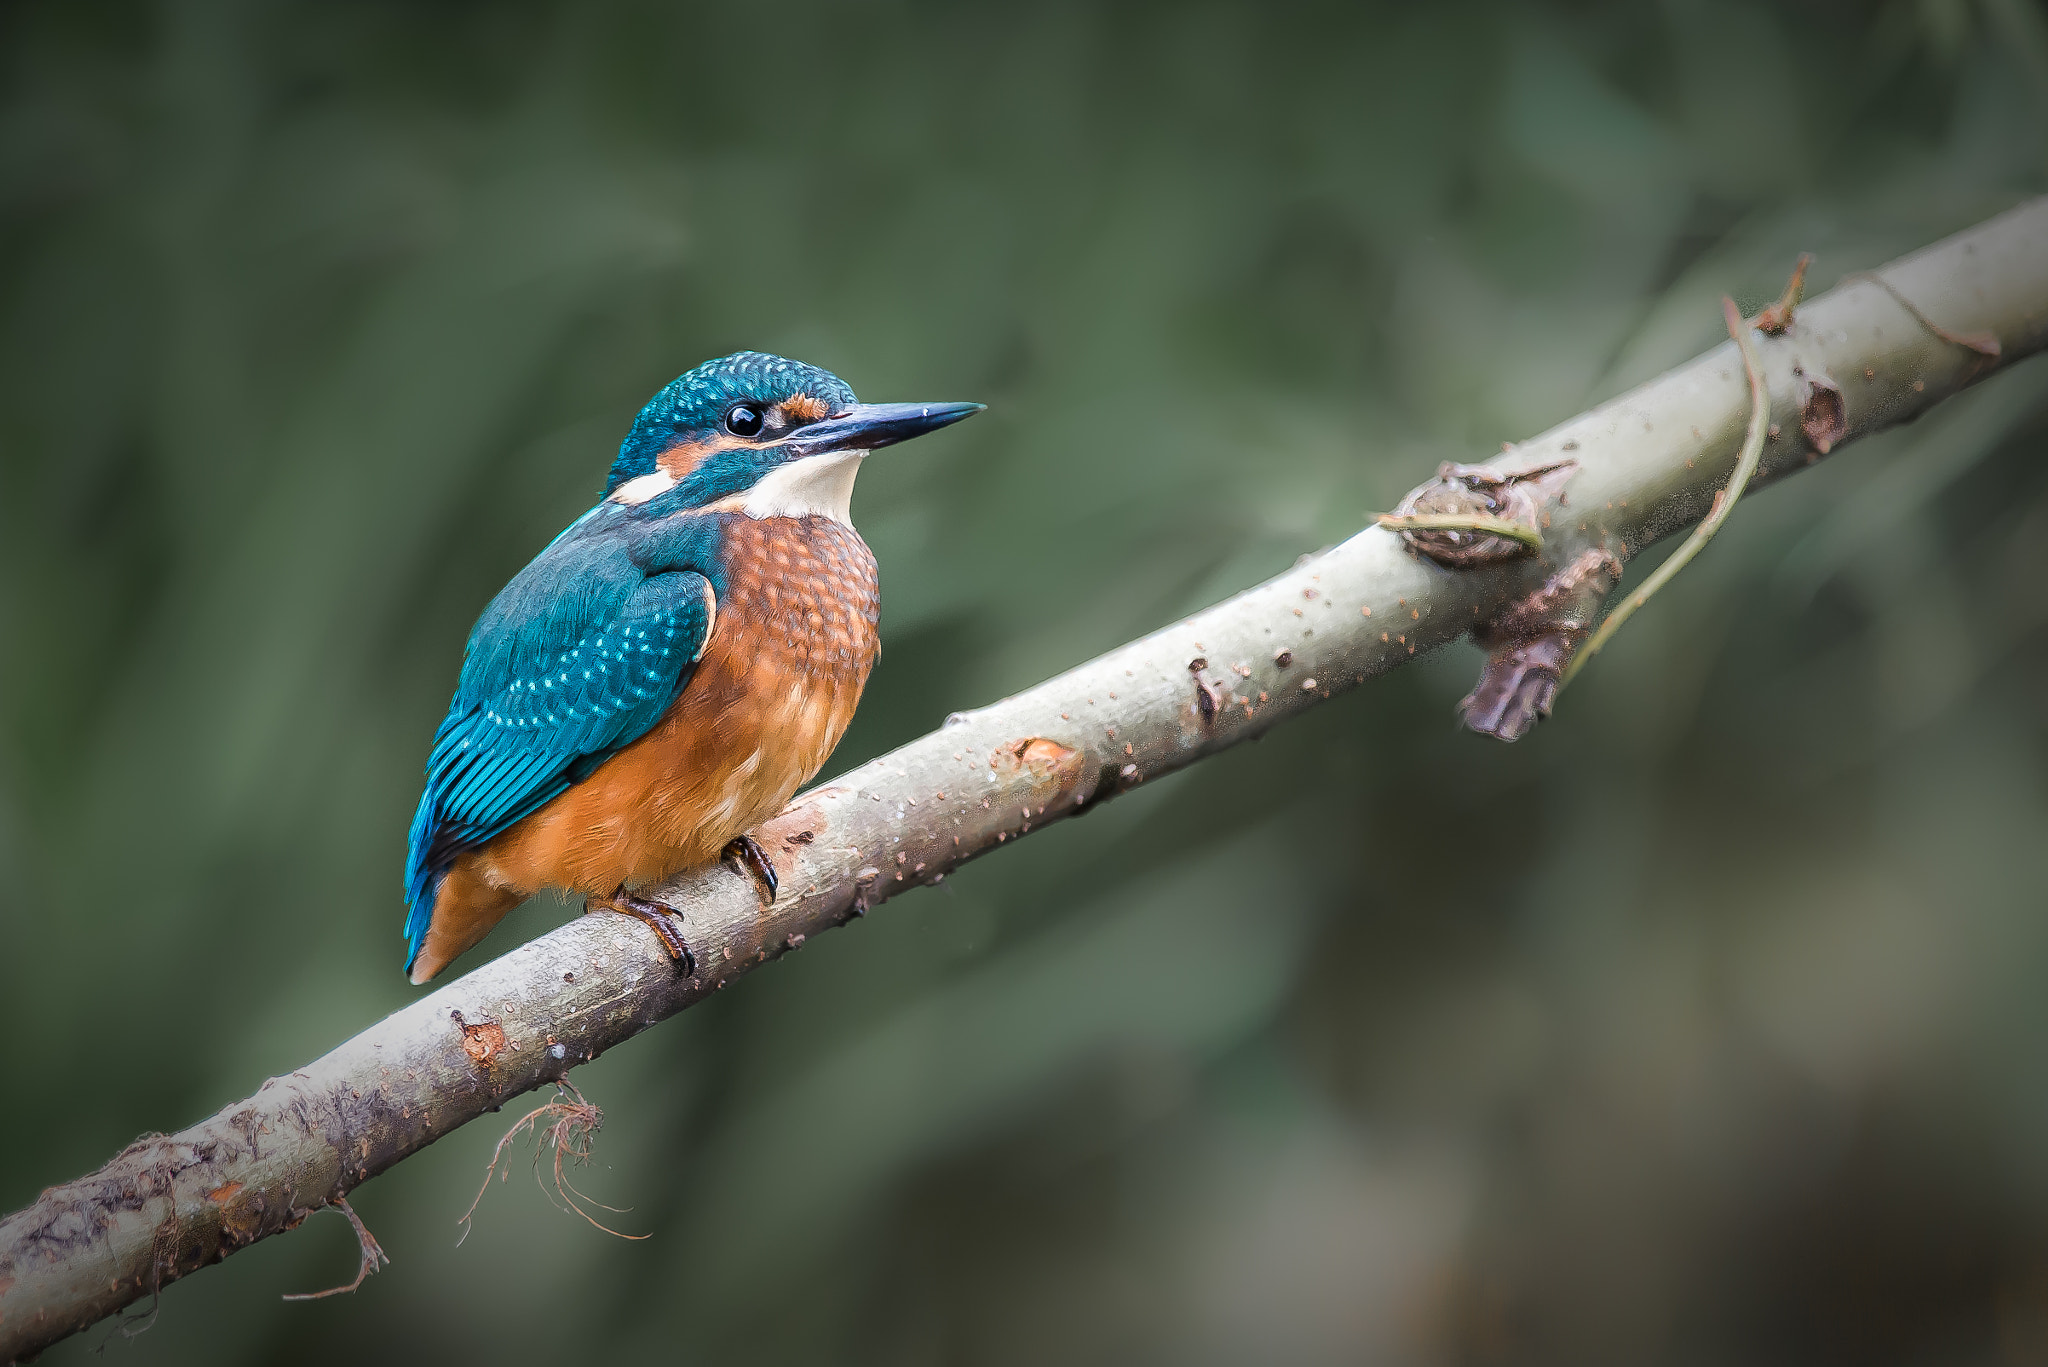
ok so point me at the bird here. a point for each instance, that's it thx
(670, 669)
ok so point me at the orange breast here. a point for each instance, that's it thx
(789, 653)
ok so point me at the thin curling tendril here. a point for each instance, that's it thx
(1745, 466)
(1463, 522)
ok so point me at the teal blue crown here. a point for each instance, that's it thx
(693, 405)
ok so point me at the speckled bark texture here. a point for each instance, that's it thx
(1649, 464)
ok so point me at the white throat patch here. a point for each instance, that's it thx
(815, 486)
(638, 490)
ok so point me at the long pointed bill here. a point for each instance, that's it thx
(866, 426)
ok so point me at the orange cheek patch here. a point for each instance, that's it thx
(678, 461)
(805, 408)
(685, 456)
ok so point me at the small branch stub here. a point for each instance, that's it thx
(1529, 645)
(1778, 316)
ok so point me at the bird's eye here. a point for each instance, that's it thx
(743, 420)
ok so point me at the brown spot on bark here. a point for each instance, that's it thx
(798, 825)
(1821, 414)
(241, 1220)
(1039, 755)
(483, 1042)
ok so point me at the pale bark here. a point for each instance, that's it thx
(1650, 463)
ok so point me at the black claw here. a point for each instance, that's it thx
(655, 916)
(743, 851)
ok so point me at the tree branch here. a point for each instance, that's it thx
(1863, 357)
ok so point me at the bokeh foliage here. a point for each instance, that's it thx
(1707, 1024)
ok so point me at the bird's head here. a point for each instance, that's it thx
(761, 435)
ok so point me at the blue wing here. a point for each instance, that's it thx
(579, 656)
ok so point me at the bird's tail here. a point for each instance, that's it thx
(461, 912)
(422, 879)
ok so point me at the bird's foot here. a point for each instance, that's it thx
(743, 853)
(655, 916)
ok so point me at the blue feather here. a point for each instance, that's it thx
(577, 658)
(581, 654)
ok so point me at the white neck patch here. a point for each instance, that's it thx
(638, 490)
(815, 486)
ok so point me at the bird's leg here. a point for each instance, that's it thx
(743, 852)
(655, 916)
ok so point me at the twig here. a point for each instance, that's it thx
(1745, 466)
(1462, 522)
(1983, 343)
(1777, 317)
(373, 1255)
(171, 1204)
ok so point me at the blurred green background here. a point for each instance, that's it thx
(1706, 1025)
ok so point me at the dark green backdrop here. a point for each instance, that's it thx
(1710, 1024)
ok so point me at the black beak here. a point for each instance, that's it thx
(866, 426)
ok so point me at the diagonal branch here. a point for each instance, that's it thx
(1861, 358)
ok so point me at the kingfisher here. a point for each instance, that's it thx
(671, 669)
